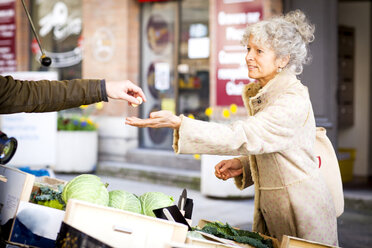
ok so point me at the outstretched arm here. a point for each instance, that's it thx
(158, 119)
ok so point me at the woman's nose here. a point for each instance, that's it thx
(248, 57)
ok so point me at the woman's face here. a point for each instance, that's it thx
(261, 62)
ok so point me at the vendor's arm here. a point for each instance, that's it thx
(44, 95)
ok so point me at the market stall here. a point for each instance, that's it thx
(47, 212)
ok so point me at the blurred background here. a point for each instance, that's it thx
(187, 57)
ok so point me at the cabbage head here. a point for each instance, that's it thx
(154, 200)
(124, 200)
(86, 187)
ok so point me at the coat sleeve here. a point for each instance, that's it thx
(271, 130)
(45, 96)
(244, 180)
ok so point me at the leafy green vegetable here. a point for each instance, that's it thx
(242, 236)
(49, 197)
(86, 187)
(124, 200)
(154, 200)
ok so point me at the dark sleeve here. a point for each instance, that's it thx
(46, 96)
(103, 90)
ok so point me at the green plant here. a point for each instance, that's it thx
(75, 123)
(79, 122)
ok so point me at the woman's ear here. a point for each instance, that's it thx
(283, 61)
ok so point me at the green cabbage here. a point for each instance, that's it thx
(124, 200)
(86, 187)
(154, 200)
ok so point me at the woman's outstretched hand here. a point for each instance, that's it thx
(228, 168)
(157, 119)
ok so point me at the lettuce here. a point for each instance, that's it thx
(86, 187)
(154, 200)
(124, 200)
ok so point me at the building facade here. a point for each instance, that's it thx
(186, 56)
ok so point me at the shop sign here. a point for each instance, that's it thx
(232, 17)
(60, 23)
(8, 61)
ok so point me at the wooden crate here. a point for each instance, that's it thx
(15, 186)
(293, 242)
(15, 191)
(119, 228)
(206, 243)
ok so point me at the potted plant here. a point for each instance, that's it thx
(77, 141)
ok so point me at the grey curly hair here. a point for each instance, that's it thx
(288, 34)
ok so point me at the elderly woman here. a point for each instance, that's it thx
(276, 140)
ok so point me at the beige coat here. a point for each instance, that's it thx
(276, 142)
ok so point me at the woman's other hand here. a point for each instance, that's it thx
(228, 168)
(157, 119)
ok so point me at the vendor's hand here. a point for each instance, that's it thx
(124, 90)
(228, 168)
(158, 119)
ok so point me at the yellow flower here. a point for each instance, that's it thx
(197, 156)
(233, 108)
(89, 121)
(84, 106)
(191, 116)
(82, 119)
(226, 113)
(209, 111)
(99, 105)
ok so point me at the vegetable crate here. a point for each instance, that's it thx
(23, 222)
(292, 242)
(119, 228)
(216, 242)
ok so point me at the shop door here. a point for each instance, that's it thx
(158, 59)
(174, 63)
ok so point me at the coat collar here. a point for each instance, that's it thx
(254, 96)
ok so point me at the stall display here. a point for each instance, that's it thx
(35, 213)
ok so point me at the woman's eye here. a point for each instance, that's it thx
(248, 49)
(259, 51)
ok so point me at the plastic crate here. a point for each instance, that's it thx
(346, 158)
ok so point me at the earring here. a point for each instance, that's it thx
(279, 70)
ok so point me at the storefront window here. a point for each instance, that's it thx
(193, 67)
(59, 26)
